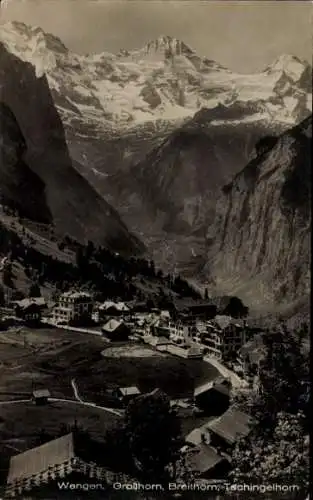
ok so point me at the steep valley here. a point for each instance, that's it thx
(132, 150)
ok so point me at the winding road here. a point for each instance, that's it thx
(92, 405)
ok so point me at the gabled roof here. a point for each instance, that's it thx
(25, 303)
(213, 384)
(203, 459)
(106, 305)
(119, 306)
(39, 459)
(129, 391)
(232, 425)
(194, 351)
(41, 393)
(112, 325)
(195, 437)
(223, 321)
(76, 295)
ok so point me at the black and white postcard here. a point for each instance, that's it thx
(155, 227)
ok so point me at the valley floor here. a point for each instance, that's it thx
(76, 369)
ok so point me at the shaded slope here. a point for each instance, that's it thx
(176, 186)
(75, 207)
(20, 188)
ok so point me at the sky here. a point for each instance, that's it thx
(242, 35)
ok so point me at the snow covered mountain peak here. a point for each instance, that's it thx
(164, 80)
(28, 37)
(168, 46)
(32, 44)
(291, 65)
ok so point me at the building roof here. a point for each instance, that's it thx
(232, 425)
(38, 460)
(41, 393)
(208, 386)
(194, 351)
(221, 388)
(76, 295)
(203, 459)
(25, 303)
(106, 305)
(119, 306)
(112, 325)
(201, 327)
(182, 303)
(195, 437)
(223, 321)
(129, 391)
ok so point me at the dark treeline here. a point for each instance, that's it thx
(94, 268)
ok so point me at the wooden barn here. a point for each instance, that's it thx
(37, 472)
(41, 396)
(116, 330)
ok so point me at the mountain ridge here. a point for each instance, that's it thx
(76, 208)
(177, 83)
(266, 206)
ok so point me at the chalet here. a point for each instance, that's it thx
(205, 463)
(30, 310)
(74, 308)
(41, 396)
(126, 394)
(229, 428)
(39, 301)
(224, 337)
(185, 353)
(109, 308)
(116, 330)
(213, 396)
(36, 472)
(175, 331)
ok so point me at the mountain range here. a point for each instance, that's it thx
(151, 134)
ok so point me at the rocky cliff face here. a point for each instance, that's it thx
(176, 186)
(75, 207)
(259, 245)
(20, 188)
